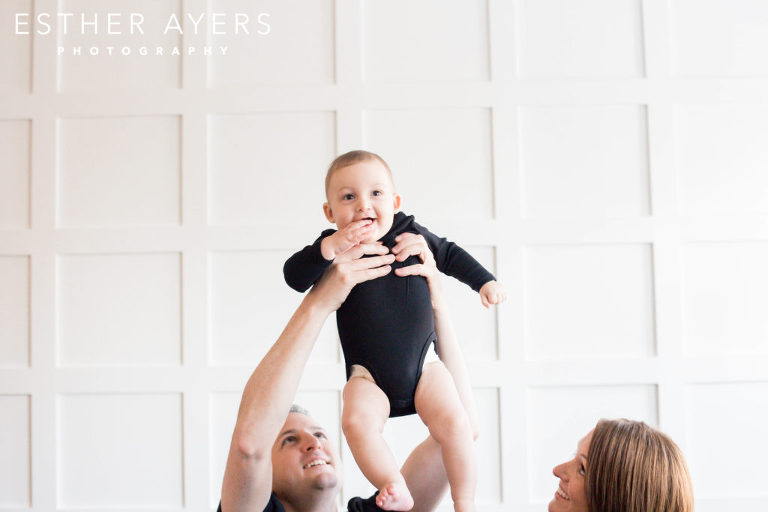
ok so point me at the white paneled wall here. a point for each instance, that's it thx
(605, 158)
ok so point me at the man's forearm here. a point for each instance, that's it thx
(450, 354)
(272, 386)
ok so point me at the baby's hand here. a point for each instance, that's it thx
(345, 238)
(492, 293)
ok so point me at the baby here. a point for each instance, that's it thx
(386, 327)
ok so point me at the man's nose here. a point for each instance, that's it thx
(312, 443)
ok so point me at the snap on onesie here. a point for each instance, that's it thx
(386, 325)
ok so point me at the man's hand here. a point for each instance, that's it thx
(348, 270)
(492, 293)
(411, 244)
(346, 238)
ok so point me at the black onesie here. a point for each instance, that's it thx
(386, 324)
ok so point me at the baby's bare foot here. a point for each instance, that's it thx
(395, 496)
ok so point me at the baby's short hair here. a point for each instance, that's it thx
(351, 158)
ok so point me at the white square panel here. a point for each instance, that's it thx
(255, 162)
(725, 297)
(16, 47)
(440, 159)
(222, 417)
(719, 37)
(14, 311)
(119, 171)
(722, 159)
(292, 44)
(589, 301)
(250, 303)
(569, 39)
(323, 406)
(584, 161)
(134, 62)
(558, 417)
(14, 180)
(475, 326)
(488, 447)
(14, 452)
(120, 451)
(119, 309)
(726, 429)
(436, 40)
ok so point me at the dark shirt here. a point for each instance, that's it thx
(356, 504)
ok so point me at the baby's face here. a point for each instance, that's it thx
(362, 191)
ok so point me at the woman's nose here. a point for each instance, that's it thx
(559, 471)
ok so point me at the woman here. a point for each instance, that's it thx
(624, 466)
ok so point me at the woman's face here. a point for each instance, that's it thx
(570, 495)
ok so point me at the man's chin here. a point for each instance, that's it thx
(325, 481)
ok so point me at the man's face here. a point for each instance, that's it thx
(303, 457)
(360, 191)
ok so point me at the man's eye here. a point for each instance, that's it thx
(288, 439)
(320, 435)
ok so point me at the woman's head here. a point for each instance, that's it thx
(625, 466)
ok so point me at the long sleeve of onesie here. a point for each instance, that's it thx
(305, 267)
(454, 261)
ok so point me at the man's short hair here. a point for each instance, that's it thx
(299, 409)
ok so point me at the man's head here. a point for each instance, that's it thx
(304, 459)
(359, 186)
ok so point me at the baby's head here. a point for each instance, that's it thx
(359, 186)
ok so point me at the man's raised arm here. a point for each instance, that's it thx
(272, 386)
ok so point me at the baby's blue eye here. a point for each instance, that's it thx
(347, 197)
(377, 192)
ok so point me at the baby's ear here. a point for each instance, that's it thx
(396, 202)
(328, 213)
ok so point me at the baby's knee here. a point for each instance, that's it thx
(452, 427)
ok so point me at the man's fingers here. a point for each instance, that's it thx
(372, 262)
(372, 273)
(417, 269)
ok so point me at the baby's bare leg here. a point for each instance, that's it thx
(366, 408)
(439, 406)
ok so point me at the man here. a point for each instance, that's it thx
(287, 463)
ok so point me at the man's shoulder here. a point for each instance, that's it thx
(273, 505)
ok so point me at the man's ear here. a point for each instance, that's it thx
(328, 213)
(396, 202)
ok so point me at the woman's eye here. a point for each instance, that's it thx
(582, 470)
